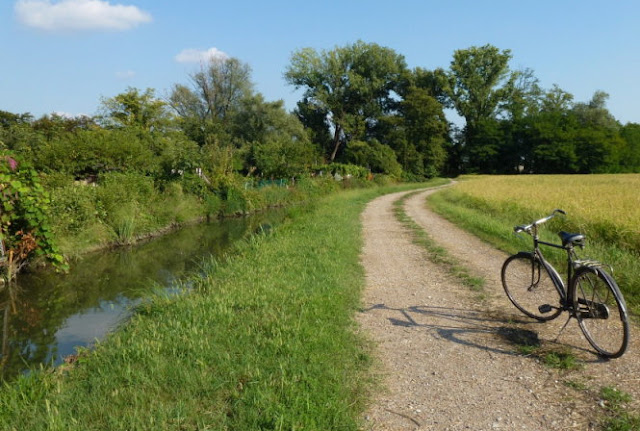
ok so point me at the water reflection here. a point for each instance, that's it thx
(47, 315)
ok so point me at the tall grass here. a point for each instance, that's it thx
(491, 206)
(266, 341)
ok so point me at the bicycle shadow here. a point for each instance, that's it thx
(491, 332)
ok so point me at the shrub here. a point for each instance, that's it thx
(117, 188)
(212, 204)
(235, 202)
(73, 208)
(25, 229)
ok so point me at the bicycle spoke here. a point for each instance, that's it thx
(600, 313)
(529, 286)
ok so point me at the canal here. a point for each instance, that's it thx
(46, 316)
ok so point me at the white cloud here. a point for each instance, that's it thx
(79, 15)
(199, 56)
(126, 74)
(69, 115)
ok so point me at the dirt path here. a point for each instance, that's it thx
(448, 358)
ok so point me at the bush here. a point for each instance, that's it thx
(382, 180)
(173, 206)
(212, 205)
(25, 225)
(235, 202)
(56, 180)
(117, 188)
(379, 157)
(73, 208)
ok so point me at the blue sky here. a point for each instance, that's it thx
(64, 55)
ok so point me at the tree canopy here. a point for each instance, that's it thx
(363, 112)
(349, 87)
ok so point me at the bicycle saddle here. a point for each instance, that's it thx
(571, 239)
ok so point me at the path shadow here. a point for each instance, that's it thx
(481, 329)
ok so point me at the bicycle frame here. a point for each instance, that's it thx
(557, 280)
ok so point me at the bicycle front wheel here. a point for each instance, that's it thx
(601, 311)
(528, 285)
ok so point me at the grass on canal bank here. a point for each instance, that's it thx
(266, 341)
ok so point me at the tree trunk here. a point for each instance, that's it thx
(336, 143)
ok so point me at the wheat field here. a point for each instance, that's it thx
(608, 205)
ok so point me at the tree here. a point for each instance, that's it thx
(135, 109)
(379, 158)
(556, 100)
(630, 154)
(479, 86)
(595, 113)
(524, 95)
(598, 142)
(434, 82)
(352, 85)
(479, 82)
(8, 119)
(276, 142)
(426, 128)
(207, 108)
(552, 142)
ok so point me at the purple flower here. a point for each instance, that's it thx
(13, 164)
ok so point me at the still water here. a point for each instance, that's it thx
(48, 315)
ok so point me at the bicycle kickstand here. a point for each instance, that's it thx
(562, 329)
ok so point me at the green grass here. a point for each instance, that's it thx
(561, 360)
(495, 226)
(266, 341)
(619, 418)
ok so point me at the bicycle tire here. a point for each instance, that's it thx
(601, 311)
(528, 285)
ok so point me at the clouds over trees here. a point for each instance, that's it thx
(200, 56)
(79, 15)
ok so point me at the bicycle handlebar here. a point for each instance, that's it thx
(527, 228)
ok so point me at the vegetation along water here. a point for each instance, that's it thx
(47, 315)
(265, 340)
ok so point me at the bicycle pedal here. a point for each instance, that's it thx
(545, 308)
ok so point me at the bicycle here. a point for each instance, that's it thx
(590, 295)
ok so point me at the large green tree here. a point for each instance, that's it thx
(135, 108)
(630, 155)
(479, 82)
(350, 86)
(207, 107)
(599, 145)
(479, 85)
(274, 141)
(418, 132)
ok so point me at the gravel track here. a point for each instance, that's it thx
(447, 357)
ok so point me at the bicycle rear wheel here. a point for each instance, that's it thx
(601, 311)
(528, 285)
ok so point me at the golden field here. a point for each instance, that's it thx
(608, 204)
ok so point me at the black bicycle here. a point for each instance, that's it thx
(534, 286)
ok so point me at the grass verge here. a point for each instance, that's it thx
(265, 341)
